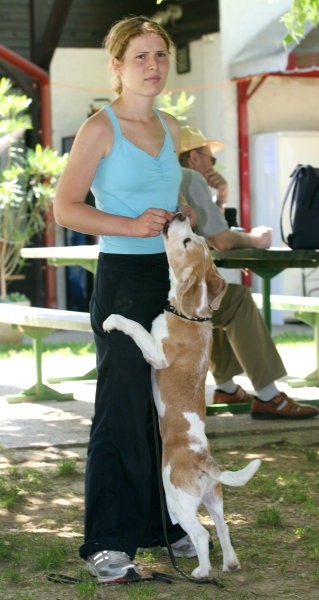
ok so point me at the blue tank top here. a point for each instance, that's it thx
(129, 180)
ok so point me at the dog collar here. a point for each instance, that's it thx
(170, 308)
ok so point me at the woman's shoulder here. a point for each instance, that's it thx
(99, 121)
(98, 128)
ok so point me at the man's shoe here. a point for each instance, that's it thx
(183, 548)
(240, 395)
(110, 566)
(282, 407)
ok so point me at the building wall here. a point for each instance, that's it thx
(78, 76)
(285, 104)
(81, 75)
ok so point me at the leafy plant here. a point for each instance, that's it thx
(15, 297)
(295, 19)
(13, 120)
(27, 182)
(182, 104)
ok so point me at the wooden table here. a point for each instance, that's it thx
(264, 263)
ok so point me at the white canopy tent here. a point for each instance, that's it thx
(263, 56)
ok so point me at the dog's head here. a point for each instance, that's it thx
(196, 285)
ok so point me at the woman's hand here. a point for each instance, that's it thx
(150, 223)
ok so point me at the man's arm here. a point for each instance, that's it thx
(210, 222)
(259, 237)
(196, 193)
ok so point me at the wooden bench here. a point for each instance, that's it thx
(38, 323)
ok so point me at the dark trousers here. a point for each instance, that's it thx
(122, 502)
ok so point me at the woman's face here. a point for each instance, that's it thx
(145, 65)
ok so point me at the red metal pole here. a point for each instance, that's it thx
(243, 149)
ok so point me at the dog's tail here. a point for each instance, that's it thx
(238, 478)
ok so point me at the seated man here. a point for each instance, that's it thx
(242, 342)
(204, 161)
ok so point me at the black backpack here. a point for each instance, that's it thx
(302, 200)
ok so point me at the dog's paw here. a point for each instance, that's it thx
(201, 573)
(110, 323)
(234, 565)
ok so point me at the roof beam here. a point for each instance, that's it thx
(45, 30)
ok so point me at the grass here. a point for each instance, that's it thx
(292, 339)
(273, 523)
(65, 349)
(67, 467)
(268, 517)
(272, 519)
(16, 485)
(311, 454)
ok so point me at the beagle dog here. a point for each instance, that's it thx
(179, 348)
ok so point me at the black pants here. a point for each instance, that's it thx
(122, 508)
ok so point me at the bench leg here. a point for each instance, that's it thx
(312, 379)
(39, 391)
(240, 407)
(92, 374)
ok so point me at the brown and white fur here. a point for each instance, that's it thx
(178, 349)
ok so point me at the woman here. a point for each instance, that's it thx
(127, 154)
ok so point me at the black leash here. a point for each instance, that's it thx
(68, 580)
(212, 580)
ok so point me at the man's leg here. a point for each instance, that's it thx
(245, 342)
(241, 341)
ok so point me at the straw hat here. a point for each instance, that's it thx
(192, 138)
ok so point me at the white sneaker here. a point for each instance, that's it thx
(111, 566)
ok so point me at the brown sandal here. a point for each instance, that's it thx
(282, 407)
(240, 395)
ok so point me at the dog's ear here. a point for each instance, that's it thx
(187, 280)
(216, 287)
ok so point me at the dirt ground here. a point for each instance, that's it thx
(279, 550)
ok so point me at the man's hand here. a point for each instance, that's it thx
(261, 236)
(216, 180)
